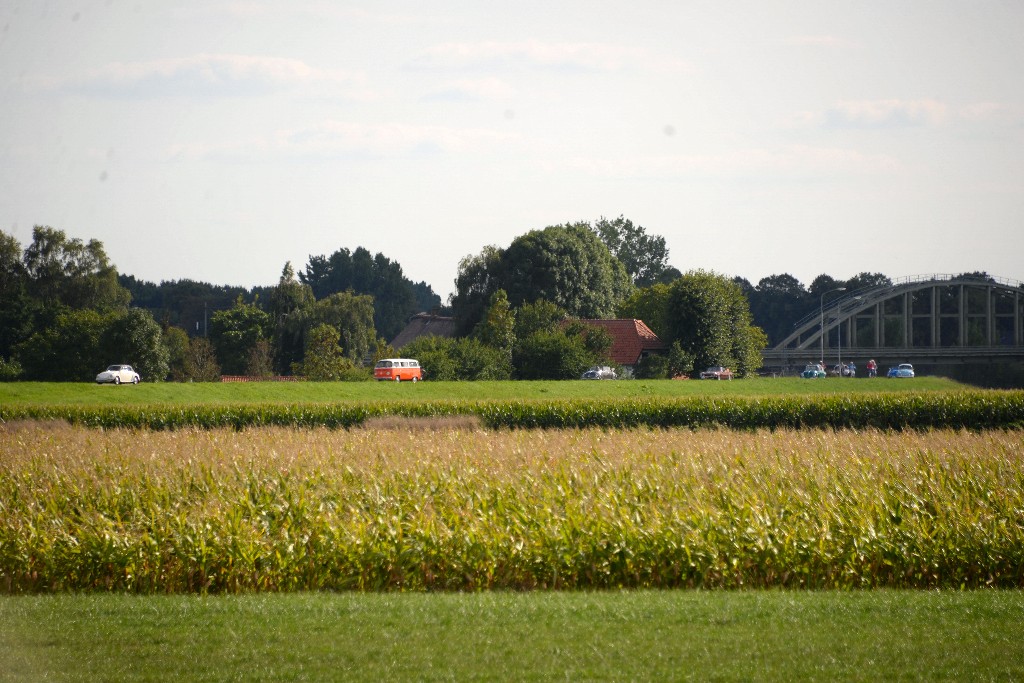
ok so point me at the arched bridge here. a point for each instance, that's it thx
(924, 319)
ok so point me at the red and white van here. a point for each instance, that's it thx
(398, 369)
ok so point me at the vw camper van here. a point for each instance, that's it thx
(398, 370)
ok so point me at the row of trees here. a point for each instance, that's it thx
(583, 271)
(63, 314)
(64, 311)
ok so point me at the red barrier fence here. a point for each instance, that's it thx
(247, 378)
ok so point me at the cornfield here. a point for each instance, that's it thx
(400, 506)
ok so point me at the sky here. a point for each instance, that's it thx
(216, 141)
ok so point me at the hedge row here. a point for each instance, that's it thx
(970, 409)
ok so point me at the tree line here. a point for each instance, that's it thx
(65, 312)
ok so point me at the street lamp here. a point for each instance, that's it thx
(837, 289)
(839, 342)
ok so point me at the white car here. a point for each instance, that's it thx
(116, 374)
(599, 372)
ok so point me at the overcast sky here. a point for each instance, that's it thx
(218, 140)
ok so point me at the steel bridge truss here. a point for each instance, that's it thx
(935, 319)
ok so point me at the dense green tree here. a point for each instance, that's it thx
(67, 350)
(567, 265)
(649, 304)
(552, 355)
(979, 275)
(352, 315)
(498, 327)
(201, 362)
(187, 304)
(822, 284)
(260, 362)
(544, 334)
(395, 297)
(644, 256)
(234, 333)
(176, 341)
(289, 299)
(289, 295)
(465, 358)
(426, 299)
(15, 303)
(478, 361)
(867, 280)
(597, 340)
(777, 303)
(699, 309)
(10, 370)
(679, 361)
(324, 360)
(436, 357)
(381, 349)
(133, 337)
(538, 316)
(475, 283)
(710, 318)
(748, 342)
(69, 272)
(652, 366)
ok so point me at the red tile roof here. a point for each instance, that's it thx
(630, 339)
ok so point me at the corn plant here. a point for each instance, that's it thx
(464, 508)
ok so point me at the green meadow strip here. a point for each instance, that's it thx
(932, 410)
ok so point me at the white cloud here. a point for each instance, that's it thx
(587, 56)
(473, 89)
(823, 41)
(992, 112)
(895, 114)
(791, 160)
(344, 139)
(885, 113)
(208, 75)
(246, 10)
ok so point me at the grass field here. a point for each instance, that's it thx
(284, 515)
(82, 393)
(499, 636)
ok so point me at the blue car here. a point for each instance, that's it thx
(813, 371)
(903, 370)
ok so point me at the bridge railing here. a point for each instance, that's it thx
(866, 295)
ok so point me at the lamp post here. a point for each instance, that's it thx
(837, 289)
(839, 342)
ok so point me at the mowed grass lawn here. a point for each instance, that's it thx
(500, 636)
(148, 393)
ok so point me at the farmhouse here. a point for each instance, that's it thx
(425, 325)
(632, 340)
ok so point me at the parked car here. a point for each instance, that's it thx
(398, 370)
(813, 371)
(902, 370)
(117, 374)
(716, 372)
(599, 372)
